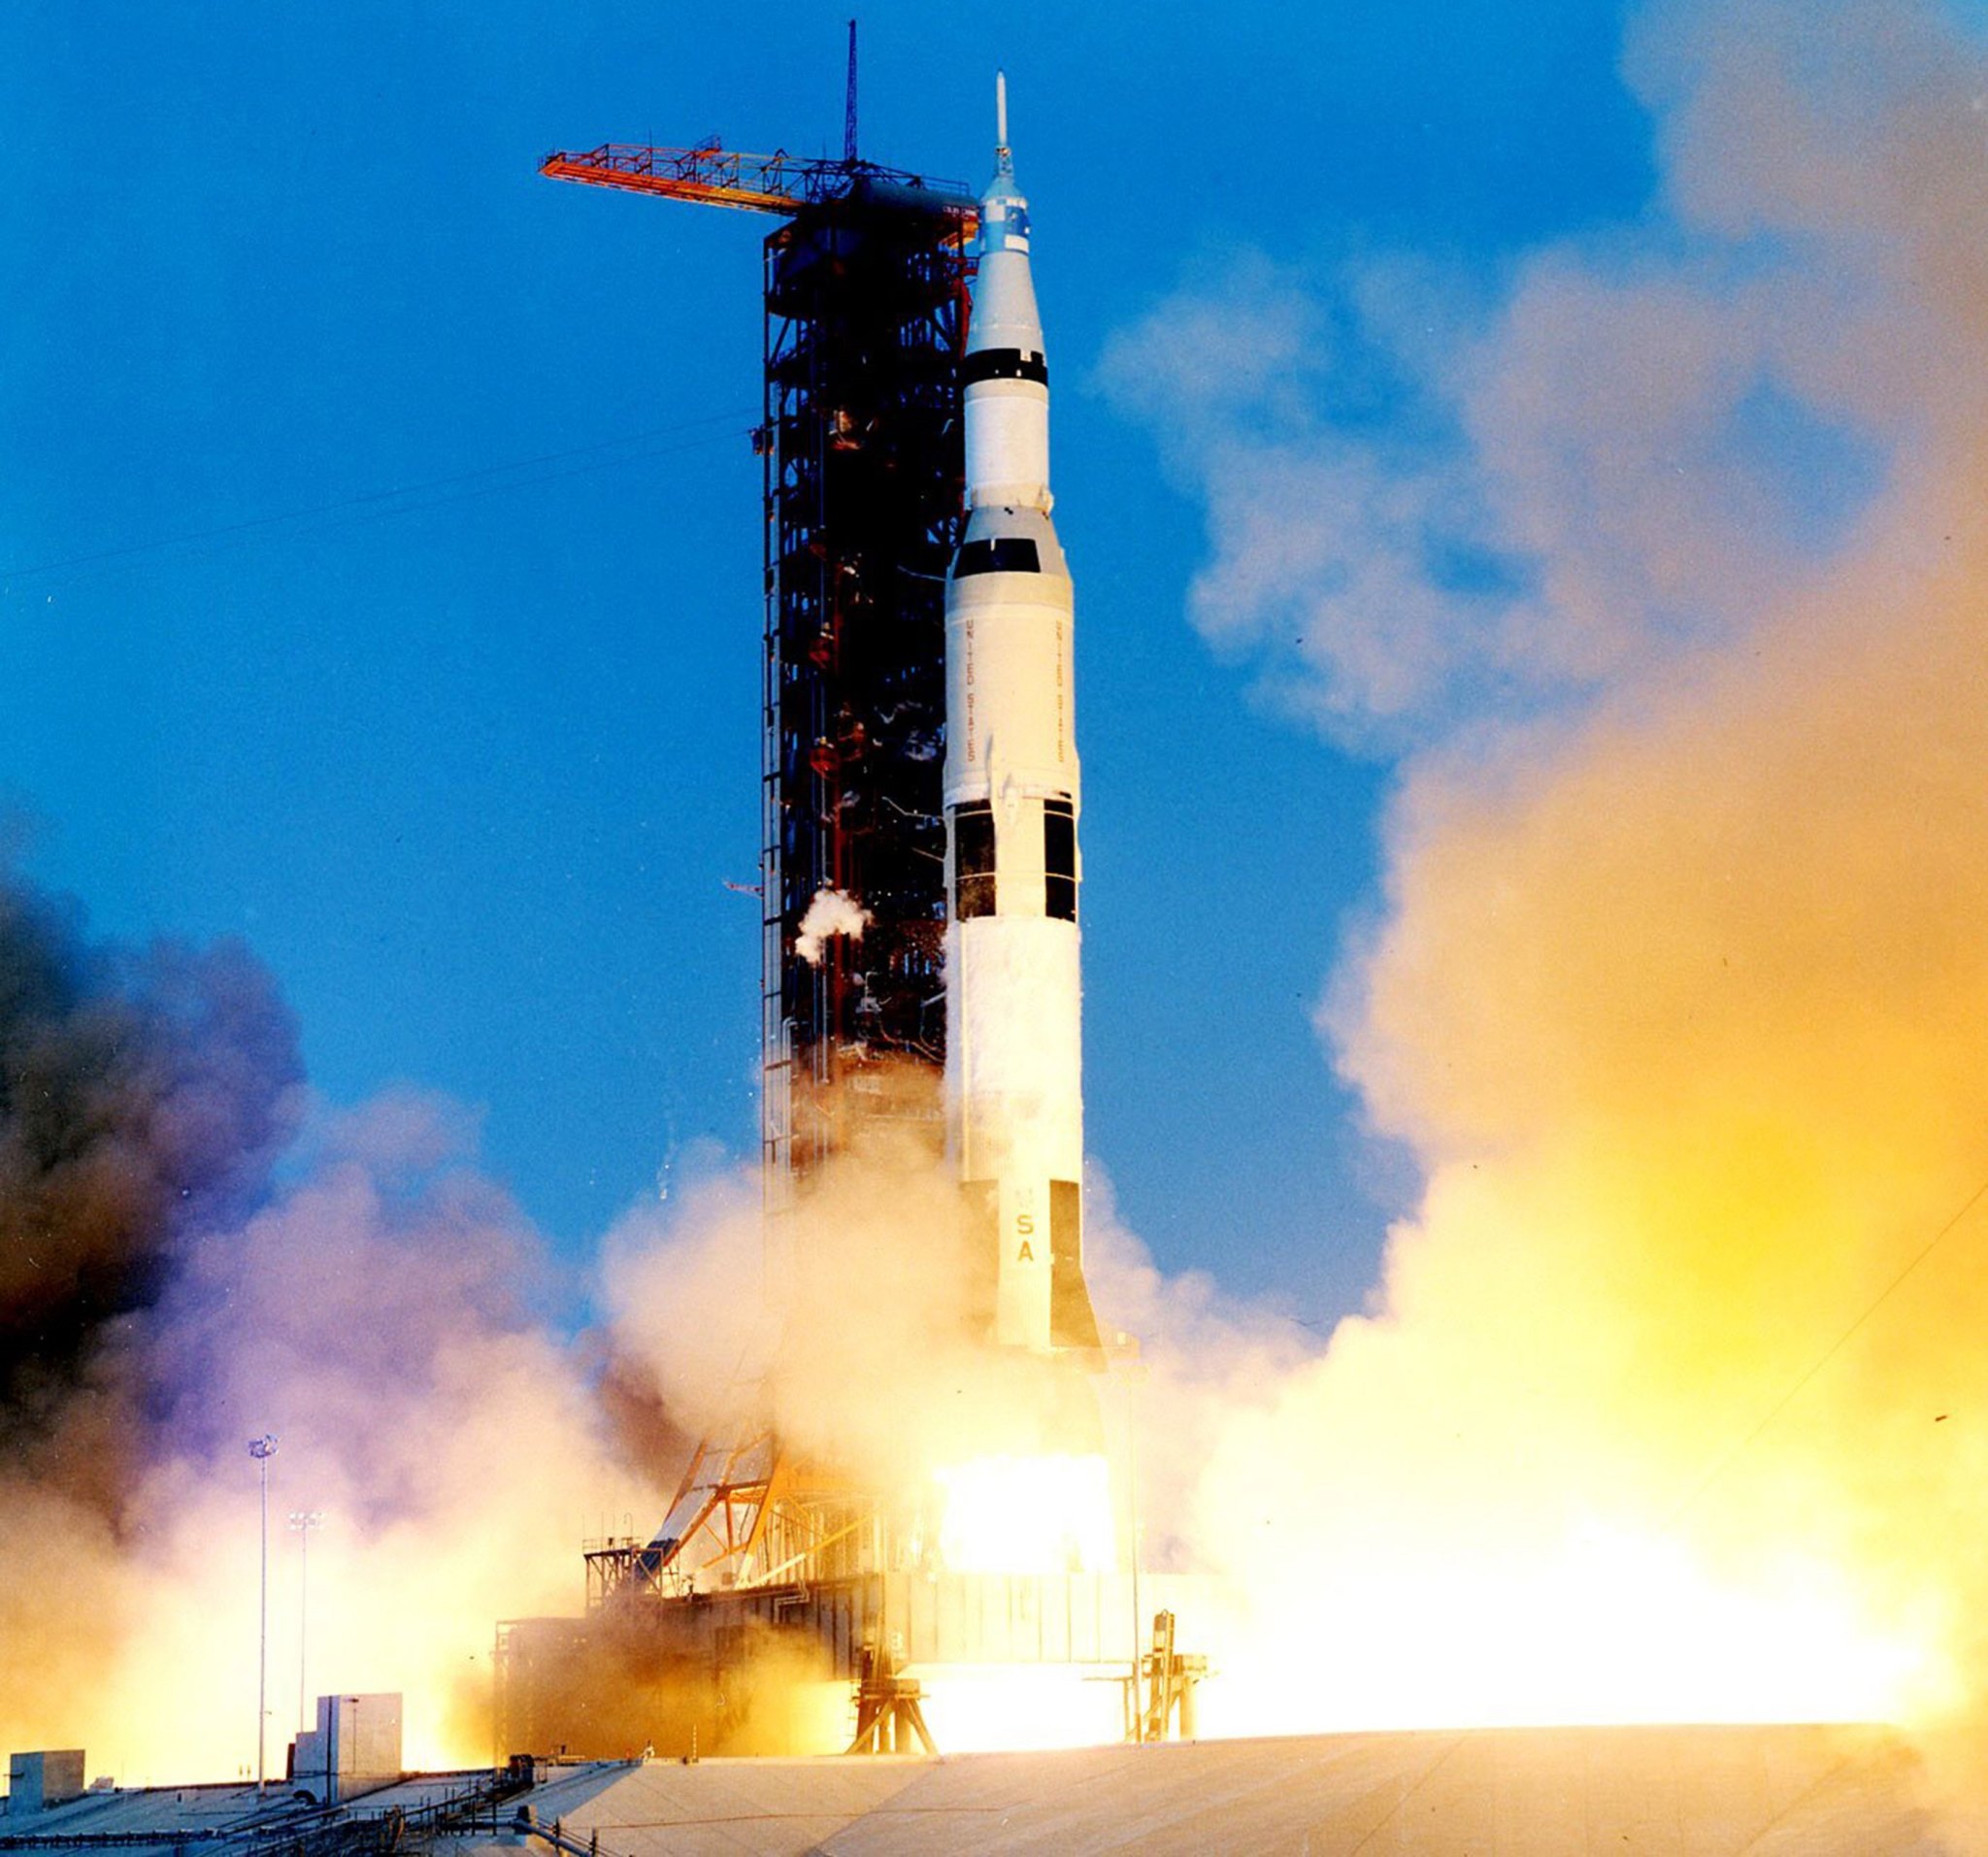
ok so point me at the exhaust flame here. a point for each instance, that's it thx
(991, 1709)
(1671, 1402)
(1047, 1515)
(1610, 1627)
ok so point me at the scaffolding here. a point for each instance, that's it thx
(866, 298)
(866, 310)
(866, 283)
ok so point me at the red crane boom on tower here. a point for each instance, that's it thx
(711, 175)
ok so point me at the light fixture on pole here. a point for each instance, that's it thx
(302, 1523)
(262, 1449)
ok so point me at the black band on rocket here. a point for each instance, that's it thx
(1003, 364)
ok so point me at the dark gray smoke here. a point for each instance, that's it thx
(179, 1272)
(144, 1095)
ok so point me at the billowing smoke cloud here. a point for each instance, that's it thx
(722, 1312)
(141, 1097)
(166, 1293)
(1664, 575)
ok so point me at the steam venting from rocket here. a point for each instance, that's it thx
(830, 912)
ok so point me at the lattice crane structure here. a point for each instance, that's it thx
(712, 175)
(866, 299)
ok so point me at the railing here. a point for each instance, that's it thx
(308, 1831)
(713, 175)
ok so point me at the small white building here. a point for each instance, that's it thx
(37, 1782)
(354, 1748)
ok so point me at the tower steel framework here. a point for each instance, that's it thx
(866, 298)
(866, 283)
(865, 326)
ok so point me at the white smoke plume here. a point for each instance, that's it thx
(1662, 574)
(831, 913)
(721, 1314)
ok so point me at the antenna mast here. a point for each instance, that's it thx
(849, 115)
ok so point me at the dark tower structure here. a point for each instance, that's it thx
(866, 284)
(865, 326)
(866, 296)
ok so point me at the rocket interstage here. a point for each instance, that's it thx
(1013, 795)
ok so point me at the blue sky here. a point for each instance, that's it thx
(380, 535)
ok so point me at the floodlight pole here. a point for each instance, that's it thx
(262, 1449)
(303, 1521)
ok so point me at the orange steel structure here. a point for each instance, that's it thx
(713, 175)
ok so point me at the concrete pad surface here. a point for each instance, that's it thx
(1780, 1791)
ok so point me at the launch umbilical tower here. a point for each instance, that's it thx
(921, 799)
(865, 291)
(865, 296)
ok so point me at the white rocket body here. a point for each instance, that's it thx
(1014, 1049)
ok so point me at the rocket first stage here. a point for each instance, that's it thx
(1014, 1051)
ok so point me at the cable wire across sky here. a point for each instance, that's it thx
(406, 499)
(1724, 1462)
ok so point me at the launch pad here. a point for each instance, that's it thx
(782, 1669)
(1686, 1792)
(921, 997)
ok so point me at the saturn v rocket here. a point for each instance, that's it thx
(1013, 796)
